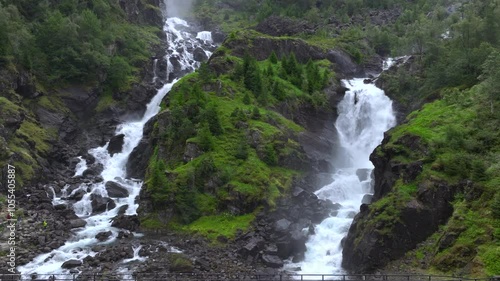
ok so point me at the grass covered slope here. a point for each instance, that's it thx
(223, 150)
(437, 183)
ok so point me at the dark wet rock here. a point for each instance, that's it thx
(101, 204)
(116, 144)
(77, 223)
(93, 170)
(61, 207)
(363, 174)
(272, 261)
(253, 246)
(71, 264)
(122, 209)
(200, 55)
(218, 36)
(126, 222)
(139, 158)
(124, 234)
(367, 199)
(366, 247)
(78, 195)
(114, 189)
(344, 62)
(282, 26)
(103, 236)
(282, 225)
(25, 86)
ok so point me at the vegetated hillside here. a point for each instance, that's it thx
(61, 62)
(437, 173)
(229, 140)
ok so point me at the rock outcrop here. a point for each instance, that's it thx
(394, 223)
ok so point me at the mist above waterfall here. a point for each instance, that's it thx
(178, 8)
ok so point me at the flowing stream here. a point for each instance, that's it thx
(364, 114)
(181, 42)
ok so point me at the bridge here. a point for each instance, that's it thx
(236, 277)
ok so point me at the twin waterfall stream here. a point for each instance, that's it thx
(365, 114)
(181, 44)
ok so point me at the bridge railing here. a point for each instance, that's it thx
(235, 277)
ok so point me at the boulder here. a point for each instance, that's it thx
(93, 170)
(116, 144)
(116, 190)
(71, 264)
(101, 204)
(218, 36)
(282, 225)
(131, 223)
(77, 223)
(103, 236)
(200, 55)
(78, 195)
(367, 199)
(253, 246)
(272, 261)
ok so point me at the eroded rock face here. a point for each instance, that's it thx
(116, 144)
(375, 240)
(262, 47)
(281, 26)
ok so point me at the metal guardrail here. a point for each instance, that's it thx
(232, 277)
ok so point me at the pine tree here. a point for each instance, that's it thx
(273, 58)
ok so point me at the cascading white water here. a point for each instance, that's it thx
(79, 246)
(80, 167)
(205, 36)
(365, 114)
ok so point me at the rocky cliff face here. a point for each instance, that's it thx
(261, 46)
(42, 130)
(403, 213)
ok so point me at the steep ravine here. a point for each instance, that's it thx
(43, 130)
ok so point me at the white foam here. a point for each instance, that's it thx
(365, 114)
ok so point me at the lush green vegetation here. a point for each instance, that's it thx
(224, 225)
(74, 41)
(223, 149)
(455, 46)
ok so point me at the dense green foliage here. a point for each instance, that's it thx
(73, 41)
(237, 143)
(455, 47)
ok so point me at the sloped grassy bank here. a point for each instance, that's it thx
(436, 190)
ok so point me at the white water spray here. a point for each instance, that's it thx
(79, 246)
(365, 114)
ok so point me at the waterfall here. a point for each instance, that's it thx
(80, 245)
(364, 114)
